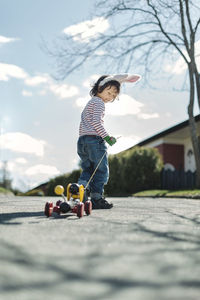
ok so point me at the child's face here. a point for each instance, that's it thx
(108, 94)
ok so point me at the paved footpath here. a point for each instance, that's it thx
(142, 249)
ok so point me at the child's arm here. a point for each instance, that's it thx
(97, 122)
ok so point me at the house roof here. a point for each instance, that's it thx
(167, 131)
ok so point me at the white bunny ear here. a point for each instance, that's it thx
(127, 77)
(120, 77)
(132, 78)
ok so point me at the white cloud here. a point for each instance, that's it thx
(125, 106)
(180, 66)
(25, 175)
(148, 116)
(40, 173)
(7, 71)
(100, 52)
(10, 166)
(42, 169)
(36, 80)
(42, 92)
(21, 160)
(64, 90)
(88, 83)
(5, 40)
(21, 142)
(25, 178)
(84, 31)
(27, 93)
(123, 143)
(82, 101)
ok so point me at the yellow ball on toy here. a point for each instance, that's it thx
(59, 190)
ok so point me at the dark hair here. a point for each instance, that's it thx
(98, 89)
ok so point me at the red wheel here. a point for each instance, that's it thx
(80, 210)
(74, 210)
(88, 207)
(56, 209)
(48, 209)
(58, 202)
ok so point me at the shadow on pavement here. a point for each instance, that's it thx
(6, 218)
(172, 236)
(195, 220)
(65, 276)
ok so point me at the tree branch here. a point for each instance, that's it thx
(164, 32)
(183, 28)
(196, 27)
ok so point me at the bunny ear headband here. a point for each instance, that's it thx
(121, 78)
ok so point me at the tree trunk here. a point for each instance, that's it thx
(197, 79)
(192, 126)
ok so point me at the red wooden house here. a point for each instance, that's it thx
(174, 144)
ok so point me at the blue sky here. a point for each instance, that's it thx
(39, 117)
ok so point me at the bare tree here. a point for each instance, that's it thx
(149, 32)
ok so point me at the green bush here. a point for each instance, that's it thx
(63, 180)
(134, 170)
(142, 169)
(35, 192)
(114, 186)
(131, 171)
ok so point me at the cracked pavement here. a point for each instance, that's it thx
(142, 249)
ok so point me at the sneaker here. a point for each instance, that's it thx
(101, 204)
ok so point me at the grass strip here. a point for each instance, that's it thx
(195, 194)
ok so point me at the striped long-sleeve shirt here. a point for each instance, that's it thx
(92, 118)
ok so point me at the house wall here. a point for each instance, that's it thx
(174, 144)
(186, 153)
(173, 154)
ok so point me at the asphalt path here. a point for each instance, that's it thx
(142, 249)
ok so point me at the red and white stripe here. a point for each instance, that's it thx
(92, 118)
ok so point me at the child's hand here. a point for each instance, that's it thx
(110, 140)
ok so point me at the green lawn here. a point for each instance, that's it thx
(167, 193)
(4, 191)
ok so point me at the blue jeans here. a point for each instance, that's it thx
(90, 150)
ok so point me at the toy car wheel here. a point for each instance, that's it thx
(56, 209)
(65, 207)
(74, 210)
(58, 202)
(88, 207)
(48, 209)
(80, 210)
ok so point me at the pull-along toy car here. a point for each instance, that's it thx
(77, 198)
(76, 202)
